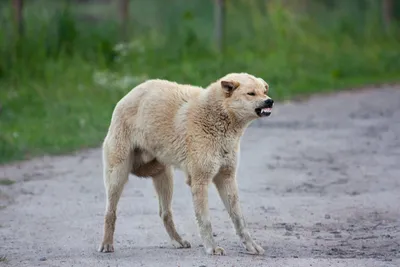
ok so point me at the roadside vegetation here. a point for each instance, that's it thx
(60, 79)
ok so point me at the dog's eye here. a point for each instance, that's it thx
(251, 93)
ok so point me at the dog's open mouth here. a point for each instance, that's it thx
(263, 112)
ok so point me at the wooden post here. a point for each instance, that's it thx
(219, 23)
(18, 17)
(304, 5)
(123, 8)
(387, 13)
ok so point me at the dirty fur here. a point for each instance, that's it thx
(160, 125)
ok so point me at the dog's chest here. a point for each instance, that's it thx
(228, 152)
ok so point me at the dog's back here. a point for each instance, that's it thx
(153, 114)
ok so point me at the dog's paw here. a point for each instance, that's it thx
(106, 248)
(182, 244)
(216, 251)
(253, 248)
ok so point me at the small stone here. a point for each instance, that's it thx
(214, 234)
(288, 227)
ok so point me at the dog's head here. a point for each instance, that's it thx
(246, 95)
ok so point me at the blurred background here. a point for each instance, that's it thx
(65, 63)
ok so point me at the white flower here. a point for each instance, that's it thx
(123, 49)
(113, 80)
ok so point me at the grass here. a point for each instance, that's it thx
(6, 181)
(61, 80)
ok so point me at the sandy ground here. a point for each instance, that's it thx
(319, 185)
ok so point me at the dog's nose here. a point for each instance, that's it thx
(269, 102)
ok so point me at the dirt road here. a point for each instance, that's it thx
(319, 185)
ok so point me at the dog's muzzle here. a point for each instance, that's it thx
(265, 109)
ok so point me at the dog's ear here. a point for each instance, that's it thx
(266, 88)
(265, 85)
(229, 86)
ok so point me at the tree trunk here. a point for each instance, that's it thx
(123, 9)
(18, 18)
(387, 12)
(219, 23)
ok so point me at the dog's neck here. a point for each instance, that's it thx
(221, 117)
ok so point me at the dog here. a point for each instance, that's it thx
(160, 125)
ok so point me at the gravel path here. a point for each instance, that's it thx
(319, 184)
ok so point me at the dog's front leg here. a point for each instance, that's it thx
(200, 202)
(228, 191)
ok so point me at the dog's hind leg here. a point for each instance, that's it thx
(163, 183)
(117, 165)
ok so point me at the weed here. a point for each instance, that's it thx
(6, 181)
(61, 80)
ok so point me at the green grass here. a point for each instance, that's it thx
(60, 82)
(6, 181)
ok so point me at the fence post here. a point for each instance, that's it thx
(219, 23)
(387, 13)
(123, 10)
(17, 6)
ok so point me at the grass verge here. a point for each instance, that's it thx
(61, 80)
